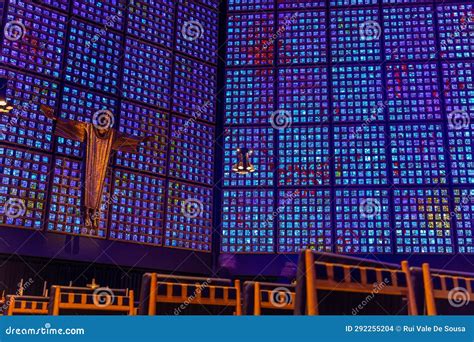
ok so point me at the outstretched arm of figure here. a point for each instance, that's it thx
(129, 144)
(68, 129)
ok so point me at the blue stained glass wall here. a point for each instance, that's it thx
(360, 115)
(153, 65)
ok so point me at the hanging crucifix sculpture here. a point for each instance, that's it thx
(100, 139)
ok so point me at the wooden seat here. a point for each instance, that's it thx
(84, 300)
(169, 294)
(455, 289)
(358, 276)
(268, 298)
(26, 305)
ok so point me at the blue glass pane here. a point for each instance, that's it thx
(422, 221)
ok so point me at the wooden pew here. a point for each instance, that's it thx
(169, 294)
(26, 305)
(268, 298)
(349, 275)
(85, 300)
(457, 288)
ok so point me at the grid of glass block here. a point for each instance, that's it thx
(464, 214)
(461, 142)
(196, 33)
(95, 25)
(418, 155)
(362, 221)
(140, 121)
(190, 156)
(409, 32)
(107, 13)
(413, 92)
(137, 210)
(189, 217)
(412, 87)
(250, 5)
(42, 45)
(61, 5)
(355, 35)
(405, 1)
(25, 124)
(23, 188)
(93, 60)
(210, 3)
(303, 38)
(80, 105)
(300, 4)
(260, 141)
(446, 84)
(243, 215)
(194, 88)
(250, 39)
(352, 2)
(458, 81)
(422, 221)
(360, 155)
(65, 211)
(357, 92)
(304, 220)
(456, 25)
(303, 156)
(303, 92)
(144, 81)
(249, 96)
(151, 21)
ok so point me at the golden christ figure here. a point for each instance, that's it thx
(100, 139)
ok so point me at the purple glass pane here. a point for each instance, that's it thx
(191, 157)
(24, 179)
(189, 217)
(140, 121)
(137, 211)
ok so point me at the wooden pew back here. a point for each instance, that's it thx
(457, 289)
(26, 305)
(357, 276)
(186, 291)
(68, 299)
(261, 298)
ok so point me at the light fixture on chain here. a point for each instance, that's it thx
(243, 165)
(4, 106)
